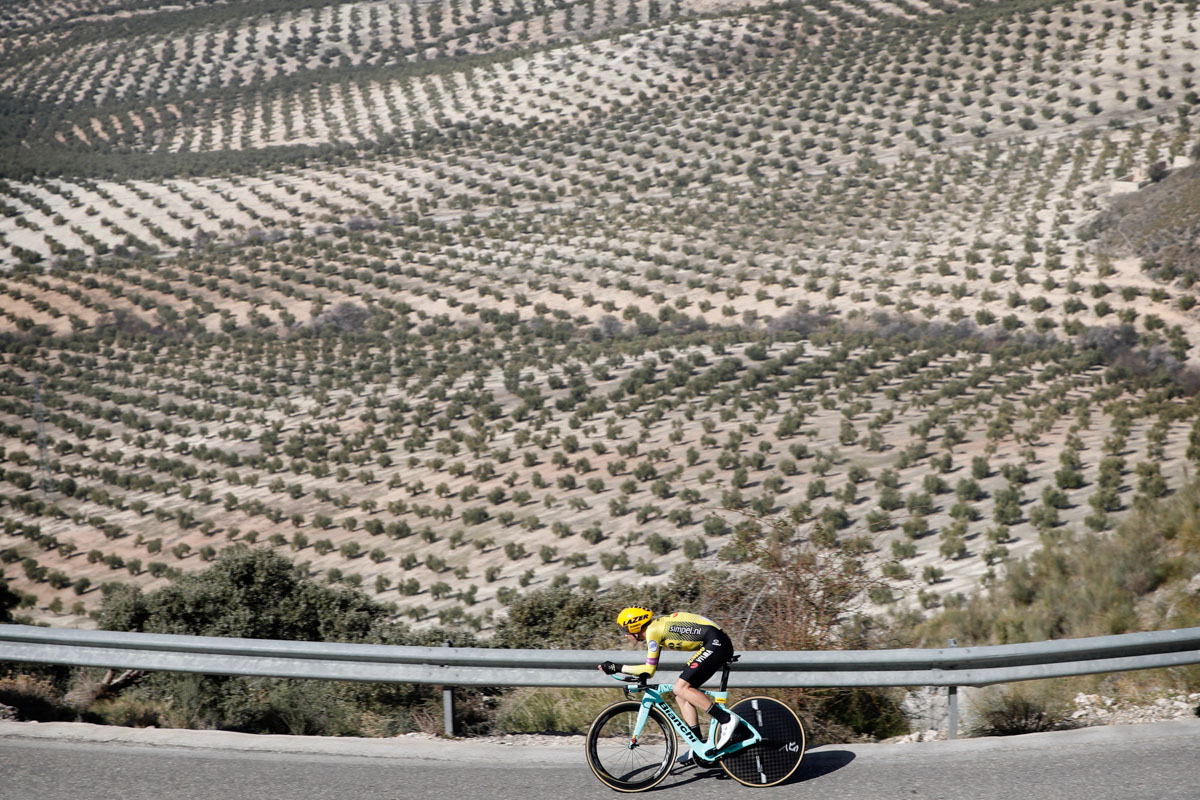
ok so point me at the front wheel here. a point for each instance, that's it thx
(625, 764)
(773, 760)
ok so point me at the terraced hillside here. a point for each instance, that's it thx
(452, 299)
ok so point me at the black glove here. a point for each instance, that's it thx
(609, 668)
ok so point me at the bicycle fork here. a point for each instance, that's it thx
(643, 715)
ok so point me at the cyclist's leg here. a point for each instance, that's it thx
(690, 717)
(687, 709)
(690, 698)
(702, 666)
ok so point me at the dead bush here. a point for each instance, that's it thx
(1019, 708)
(34, 699)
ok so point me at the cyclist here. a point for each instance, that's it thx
(710, 647)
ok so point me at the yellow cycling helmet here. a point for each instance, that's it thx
(633, 619)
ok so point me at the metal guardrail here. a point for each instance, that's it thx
(474, 666)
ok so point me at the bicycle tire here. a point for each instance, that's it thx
(773, 760)
(620, 766)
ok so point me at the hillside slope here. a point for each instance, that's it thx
(452, 299)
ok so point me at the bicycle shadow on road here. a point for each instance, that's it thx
(816, 764)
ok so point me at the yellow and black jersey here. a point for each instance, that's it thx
(679, 631)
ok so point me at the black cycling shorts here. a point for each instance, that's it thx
(716, 653)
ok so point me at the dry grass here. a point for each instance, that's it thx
(1160, 224)
(34, 698)
(525, 710)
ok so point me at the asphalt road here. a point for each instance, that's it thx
(66, 762)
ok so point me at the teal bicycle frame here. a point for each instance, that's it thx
(652, 696)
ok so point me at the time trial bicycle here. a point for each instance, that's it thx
(630, 746)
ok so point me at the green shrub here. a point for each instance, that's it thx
(129, 711)
(659, 545)
(288, 605)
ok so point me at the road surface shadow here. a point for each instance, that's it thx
(814, 765)
(819, 764)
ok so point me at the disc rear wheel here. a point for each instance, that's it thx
(773, 760)
(618, 760)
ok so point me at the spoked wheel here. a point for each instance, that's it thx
(775, 758)
(620, 762)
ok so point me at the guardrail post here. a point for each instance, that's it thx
(952, 705)
(952, 723)
(447, 706)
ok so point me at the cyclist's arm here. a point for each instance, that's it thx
(647, 669)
